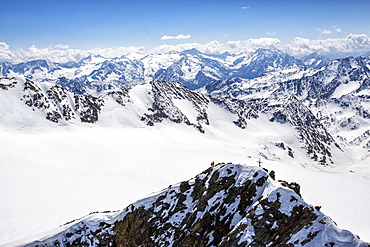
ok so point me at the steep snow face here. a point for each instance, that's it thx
(266, 60)
(226, 205)
(194, 70)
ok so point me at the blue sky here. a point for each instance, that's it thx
(87, 24)
(110, 23)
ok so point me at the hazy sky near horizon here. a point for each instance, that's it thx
(87, 24)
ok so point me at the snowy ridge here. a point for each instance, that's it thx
(174, 101)
(44, 101)
(286, 110)
(338, 78)
(315, 60)
(226, 205)
(155, 102)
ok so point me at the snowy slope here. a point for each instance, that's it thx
(158, 102)
(315, 60)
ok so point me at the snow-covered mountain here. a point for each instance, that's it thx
(310, 124)
(191, 67)
(334, 80)
(315, 60)
(336, 94)
(226, 205)
(155, 102)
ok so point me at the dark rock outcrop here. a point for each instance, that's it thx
(164, 106)
(226, 205)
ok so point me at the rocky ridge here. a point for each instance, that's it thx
(165, 101)
(286, 110)
(226, 205)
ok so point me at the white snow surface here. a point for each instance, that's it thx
(50, 176)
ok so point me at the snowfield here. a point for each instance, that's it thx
(50, 176)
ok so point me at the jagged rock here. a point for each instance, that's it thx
(164, 105)
(243, 109)
(312, 134)
(7, 83)
(226, 205)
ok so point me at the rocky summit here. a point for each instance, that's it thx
(226, 205)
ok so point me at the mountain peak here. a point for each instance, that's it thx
(315, 60)
(93, 58)
(192, 51)
(226, 205)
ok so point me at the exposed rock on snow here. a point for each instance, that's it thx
(226, 205)
(169, 101)
(313, 135)
(335, 99)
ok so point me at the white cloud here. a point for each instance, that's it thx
(61, 46)
(251, 45)
(353, 43)
(215, 47)
(5, 53)
(245, 7)
(180, 36)
(60, 53)
(326, 31)
(334, 29)
(337, 29)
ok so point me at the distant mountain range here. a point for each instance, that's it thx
(192, 68)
